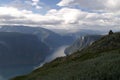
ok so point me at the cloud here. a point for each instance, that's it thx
(11, 16)
(20, 4)
(65, 2)
(27, 4)
(68, 15)
(97, 14)
(93, 5)
(36, 4)
(64, 18)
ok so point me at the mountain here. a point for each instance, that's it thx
(53, 40)
(50, 38)
(17, 45)
(19, 50)
(81, 43)
(76, 33)
(43, 45)
(99, 61)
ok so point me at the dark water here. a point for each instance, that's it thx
(9, 72)
(59, 52)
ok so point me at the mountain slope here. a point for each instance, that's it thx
(19, 50)
(81, 43)
(17, 45)
(50, 38)
(47, 40)
(100, 61)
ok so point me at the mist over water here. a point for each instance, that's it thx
(2, 78)
(59, 52)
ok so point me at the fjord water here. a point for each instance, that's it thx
(7, 72)
(59, 52)
(26, 57)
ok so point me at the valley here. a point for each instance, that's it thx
(59, 39)
(99, 61)
(18, 48)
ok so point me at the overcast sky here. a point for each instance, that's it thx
(62, 14)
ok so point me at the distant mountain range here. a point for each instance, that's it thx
(50, 38)
(99, 61)
(76, 33)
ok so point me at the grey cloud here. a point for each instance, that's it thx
(93, 5)
(65, 18)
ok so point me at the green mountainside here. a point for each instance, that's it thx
(99, 61)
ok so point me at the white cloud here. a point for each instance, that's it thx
(65, 18)
(35, 1)
(36, 4)
(65, 2)
(93, 5)
(26, 4)
(15, 16)
(68, 15)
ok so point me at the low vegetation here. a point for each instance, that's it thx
(100, 61)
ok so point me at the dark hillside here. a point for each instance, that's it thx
(100, 61)
(19, 50)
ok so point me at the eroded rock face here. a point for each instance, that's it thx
(81, 43)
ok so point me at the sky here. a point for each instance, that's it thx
(62, 14)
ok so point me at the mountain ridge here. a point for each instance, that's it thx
(47, 36)
(20, 50)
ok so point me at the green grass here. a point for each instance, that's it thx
(104, 67)
(100, 61)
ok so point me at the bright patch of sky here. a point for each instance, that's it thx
(62, 14)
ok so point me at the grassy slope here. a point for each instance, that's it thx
(100, 61)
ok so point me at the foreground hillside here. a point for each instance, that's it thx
(100, 61)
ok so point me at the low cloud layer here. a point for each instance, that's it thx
(58, 53)
(97, 14)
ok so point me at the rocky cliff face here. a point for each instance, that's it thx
(81, 43)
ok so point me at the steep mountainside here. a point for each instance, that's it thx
(20, 50)
(53, 40)
(81, 43)
(48, 42)
(99, 61)
(17, 45)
